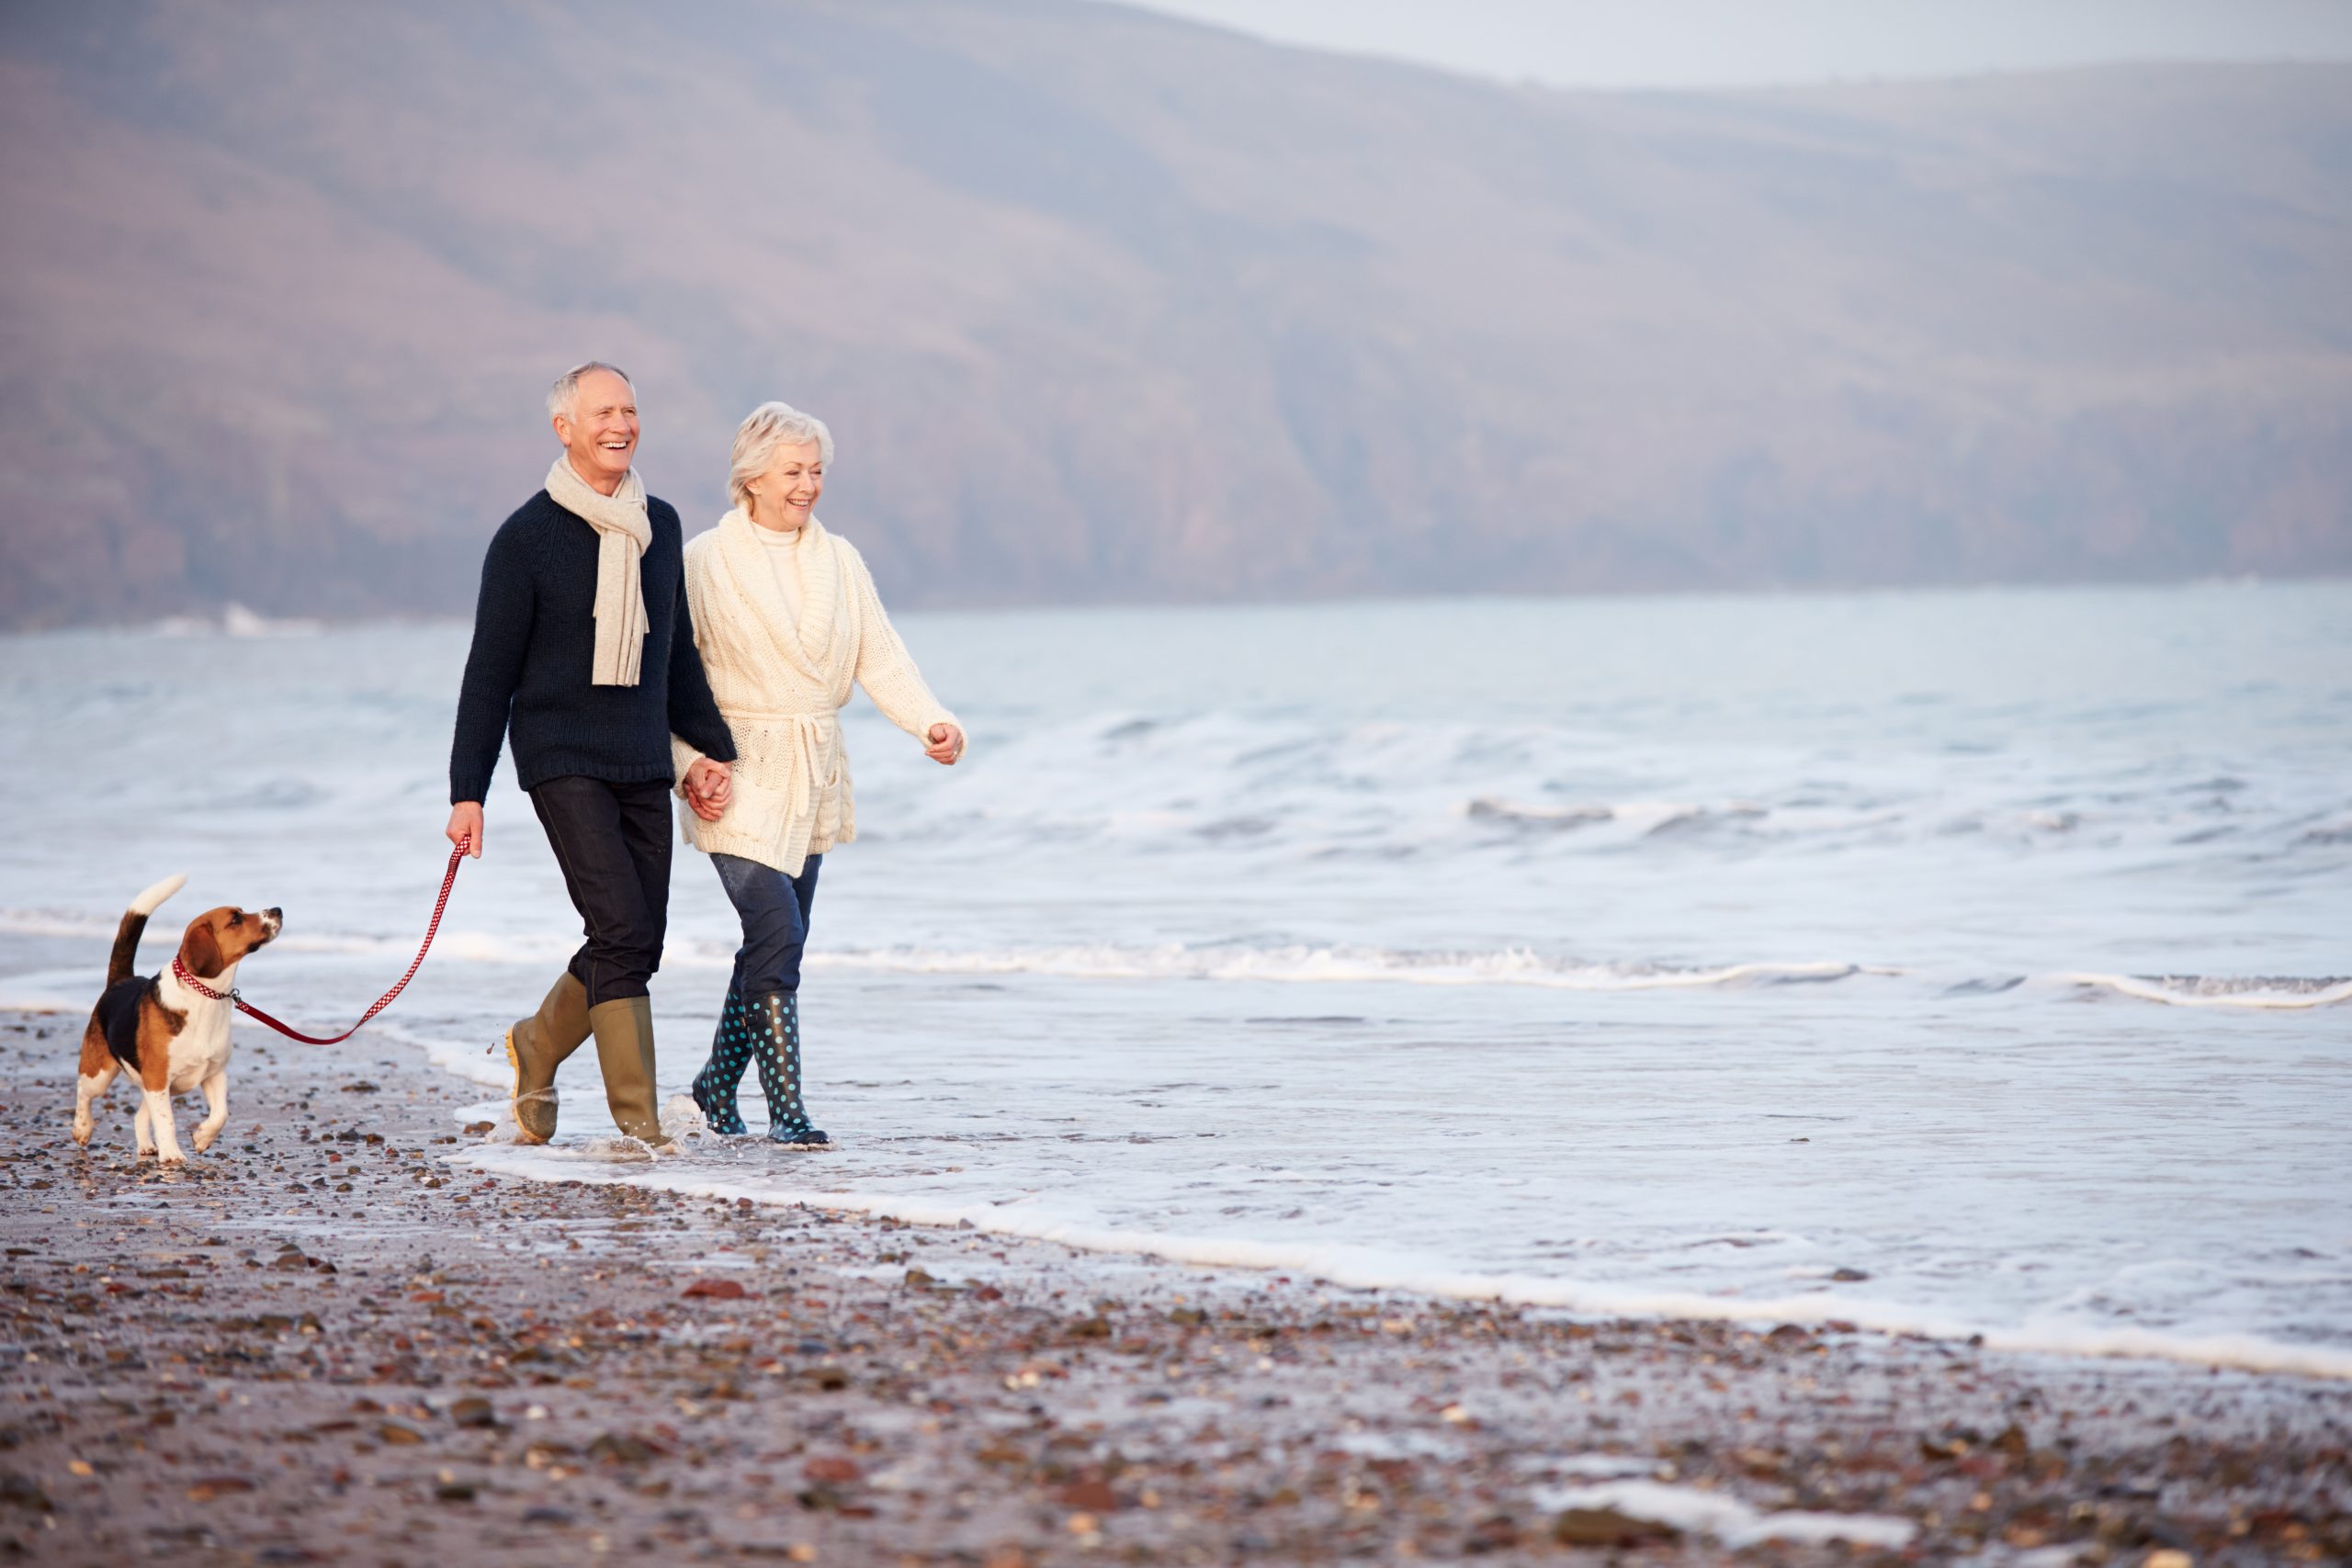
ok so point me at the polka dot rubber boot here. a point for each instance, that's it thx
(774, 1023)
(731, 1053)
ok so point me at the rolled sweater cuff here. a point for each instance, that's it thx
(684, 754)
(719, 746)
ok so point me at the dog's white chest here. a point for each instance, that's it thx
(201, 1047)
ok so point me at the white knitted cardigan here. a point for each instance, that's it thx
(781, 682)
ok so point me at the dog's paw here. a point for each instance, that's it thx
(202, 1138)
(172, 1160)
(82, 1130)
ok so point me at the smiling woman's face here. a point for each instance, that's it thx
(785, 496)
(601, 434)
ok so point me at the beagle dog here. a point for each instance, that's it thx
(171, 1034)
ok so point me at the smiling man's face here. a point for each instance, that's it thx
(600, 435)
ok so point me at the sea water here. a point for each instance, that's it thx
(1971, 962)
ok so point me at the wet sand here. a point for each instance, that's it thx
(321, 1343)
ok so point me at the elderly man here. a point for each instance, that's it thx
(584, 650)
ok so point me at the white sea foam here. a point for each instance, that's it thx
(1597, 1467)
(682, 1121)
(33, 922)
(1405, 1444)
(1297, 964)
(451, 945)
(1326, 965)
(478, 1062)
(2205, 991)
(1724, 1519)
(1291, 962)
(618, 1148)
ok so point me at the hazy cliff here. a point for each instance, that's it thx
(1105, 306)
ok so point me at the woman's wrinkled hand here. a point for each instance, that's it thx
(946, 745)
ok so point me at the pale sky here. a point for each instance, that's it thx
(1705, 43)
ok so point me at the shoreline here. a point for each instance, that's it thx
(329, 1340)
(1362, 1269)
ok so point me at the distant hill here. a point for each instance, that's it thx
(1105, 306)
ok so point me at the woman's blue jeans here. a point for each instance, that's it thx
(775, 911)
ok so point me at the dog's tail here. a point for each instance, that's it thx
(124, 959)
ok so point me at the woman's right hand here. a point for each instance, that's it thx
(944, 744)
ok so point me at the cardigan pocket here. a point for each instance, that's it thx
(790, 778)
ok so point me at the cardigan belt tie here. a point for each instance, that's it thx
(808, 736)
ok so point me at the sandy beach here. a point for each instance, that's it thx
(321, 1342)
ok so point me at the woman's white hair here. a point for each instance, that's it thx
(565, 393)
(769, 426)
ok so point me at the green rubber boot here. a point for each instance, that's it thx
(537, 1046)
(624, 1029)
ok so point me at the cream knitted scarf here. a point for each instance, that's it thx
(622, 533)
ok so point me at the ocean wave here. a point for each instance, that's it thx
(1643, 818)
(38, 922)
(2266, 991)
(1300, 963)
(1802, 819)
(1361, 1268)
(1307, 966)
(236, 621)
(1488, 809)
(480, 947)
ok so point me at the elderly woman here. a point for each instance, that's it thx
(785, 617)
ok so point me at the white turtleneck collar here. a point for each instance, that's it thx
(782, 550)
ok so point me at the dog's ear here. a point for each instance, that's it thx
(201, 951)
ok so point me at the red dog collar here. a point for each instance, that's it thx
(179, 972)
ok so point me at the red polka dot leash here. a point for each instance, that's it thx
(179, 971)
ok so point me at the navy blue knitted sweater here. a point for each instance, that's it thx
(535, 645)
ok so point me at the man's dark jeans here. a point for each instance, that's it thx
(612, 843)
(774, 910)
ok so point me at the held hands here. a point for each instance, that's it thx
(710, 786)
(946, 745)
(465, 826)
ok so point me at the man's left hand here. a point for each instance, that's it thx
(946, 745)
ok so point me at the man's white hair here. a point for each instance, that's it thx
(565, 393)
(772, 425)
